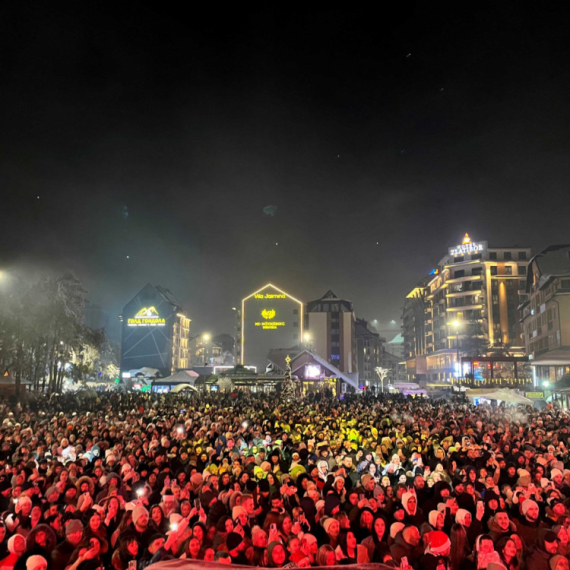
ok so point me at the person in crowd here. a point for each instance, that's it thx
(98, 482)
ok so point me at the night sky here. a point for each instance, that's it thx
(143, 145)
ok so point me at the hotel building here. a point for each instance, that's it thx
(466, 306)
(545, 315)
(331, 324)
(155, 332)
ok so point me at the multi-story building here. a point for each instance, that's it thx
(269, 319)
(204, 351)
(155, 332)
(545, 315)
(369, 352)
(470, 304)
(331, 328)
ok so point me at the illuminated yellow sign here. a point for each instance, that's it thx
(147, 317)
(268, 324)
(270, 296)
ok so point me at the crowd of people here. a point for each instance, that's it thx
(121, 481)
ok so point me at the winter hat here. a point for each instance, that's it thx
(11, 541)
(233, 540)
(432, 518)
(554, 561)
(237, 511)
(72, 526)
(138, 512)
(496, 566)
(196, 479)
(327, 523)
(460, 516)
(35, 561)
(555, 472)
(365, 479)
(524, 478)
(395, 528)
(438, 542)
(527, 504)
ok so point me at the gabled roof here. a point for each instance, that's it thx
(322, 305)
(554, 261)
(297, 363)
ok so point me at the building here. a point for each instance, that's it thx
(155, 331)
(470, 306)
(311, 372)
(545, 314)
(204, 351)
(331, 324)
(269, 319)
(369, 353)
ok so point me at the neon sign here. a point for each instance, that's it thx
(466, 248)
(147, 317)
(270, 296)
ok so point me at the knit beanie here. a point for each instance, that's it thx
(237, 511)
(35, 561)
(395, 528)
(527, 504)
(554, 561)
(138, 512)
(432, 518)
(327, 523)
(460, 516)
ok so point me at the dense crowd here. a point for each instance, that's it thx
(122, 481)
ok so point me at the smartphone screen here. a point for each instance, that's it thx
(197, 504)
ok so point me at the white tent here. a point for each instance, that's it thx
(502, 394)
(180, 387)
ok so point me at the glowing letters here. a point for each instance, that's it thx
(147, 317)
(466, 248)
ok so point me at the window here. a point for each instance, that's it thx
(493, 255)
(493, 270)
(522, 254)
(475, 256)
(459, 273)
(295, 324)
(477, 271)
(495, 299)
(522, 269)
(507, 256)
(565, 283)
(508, 270)
(458, 258)
(295, 311)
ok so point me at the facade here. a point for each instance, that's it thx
(269, 319)
(545, 315)
(331, 326)
(369, 353)
(204, 351)
(470, 306)
(155, 331)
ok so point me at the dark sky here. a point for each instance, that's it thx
(380, 136)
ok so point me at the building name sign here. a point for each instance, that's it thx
(269, 324)
(466, 248)
(147, 317)
(270, 296)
